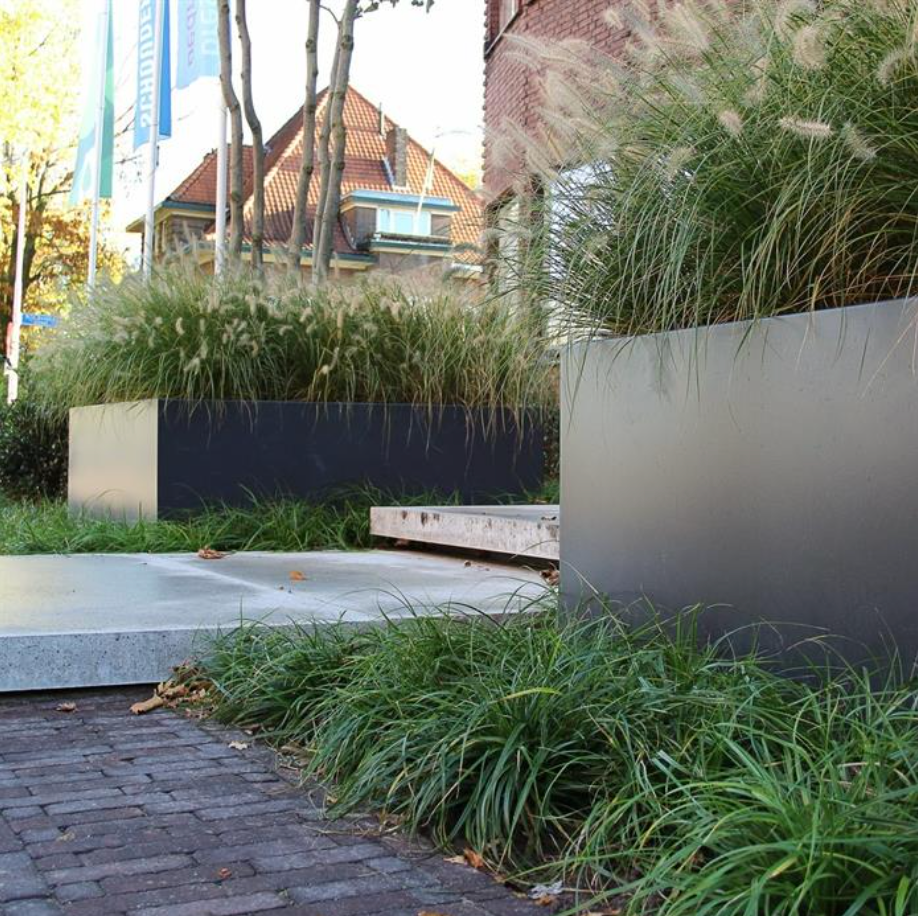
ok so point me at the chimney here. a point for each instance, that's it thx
(397, 156)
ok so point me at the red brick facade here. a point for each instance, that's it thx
(513, 89)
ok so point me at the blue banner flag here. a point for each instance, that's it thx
(84, 173)
(143, 109)
(198, 45)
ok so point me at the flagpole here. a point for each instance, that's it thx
(148, 226)
(12, 389)
(220, 229)
(99, 151)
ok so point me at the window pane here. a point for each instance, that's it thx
(383, 220)
(424, 224)
(404, 222)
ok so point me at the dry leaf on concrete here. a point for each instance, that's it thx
(456, 860)
(208, 553)
(148, 705)
(297, 576)
(224, 873)
(65, 707)
(238, 745)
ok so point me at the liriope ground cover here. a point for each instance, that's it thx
(630, 760)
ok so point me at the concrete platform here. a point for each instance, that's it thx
(518, 531)
(96, 620)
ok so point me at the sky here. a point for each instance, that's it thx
(425, 68)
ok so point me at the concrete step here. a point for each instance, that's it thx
(102, 620)
(518, 531)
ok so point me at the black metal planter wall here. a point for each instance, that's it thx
(153, 458)
(770, 471)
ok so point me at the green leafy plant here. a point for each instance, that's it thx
(629, 758)
(739, 160)
(33, 452)
(341, 521)
(187, 335)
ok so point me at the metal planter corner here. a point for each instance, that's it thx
(767, 470)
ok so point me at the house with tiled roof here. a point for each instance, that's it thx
(401, 208)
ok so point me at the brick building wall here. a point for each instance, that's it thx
(513, 89)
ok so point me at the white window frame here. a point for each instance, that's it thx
(386, 221)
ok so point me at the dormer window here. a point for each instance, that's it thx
(390, 221)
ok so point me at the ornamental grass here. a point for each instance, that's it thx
(649, 770)
(240, 337)
(738, 160)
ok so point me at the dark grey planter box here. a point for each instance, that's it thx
(153, 458)
(769, 470)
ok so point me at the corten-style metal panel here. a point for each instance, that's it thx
(768, 468)
(113, 464)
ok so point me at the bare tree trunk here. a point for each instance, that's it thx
(334, 129)
(324, 155)
(258, 145)
(232, 104)
(307, 167)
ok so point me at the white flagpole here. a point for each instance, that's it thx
(153, 151)
(12, 389)
(97, 174)
(220, 229)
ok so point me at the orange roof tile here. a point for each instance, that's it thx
(364, 170)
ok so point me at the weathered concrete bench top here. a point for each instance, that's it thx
(519, 531)
(94, 620)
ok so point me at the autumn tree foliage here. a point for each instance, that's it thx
(39, 111)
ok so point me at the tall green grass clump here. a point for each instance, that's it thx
(191, 336)
(630, 759)
(339, 522)
(739, 160)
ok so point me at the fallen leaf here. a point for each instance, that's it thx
(224, 873)
(545, 900)
(239, 745)
(66, 707)
(297, 576)
(66, 837)
(208, 553)
(551, 576)
(148, 705)
(473, 858)
(173, 692)
(456, 860)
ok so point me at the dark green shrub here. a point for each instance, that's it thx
(33, 452)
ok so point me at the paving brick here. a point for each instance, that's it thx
(198, 874)
(33, 907)
(339, 890)
(230, 906)
(123, 867)
(82, 890)
(105, 814)
(330, 856)
(19, 878)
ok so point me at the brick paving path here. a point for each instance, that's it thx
(102, 812)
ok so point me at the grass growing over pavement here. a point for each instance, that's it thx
(340, 522)
(283, 525)
(627, 758)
